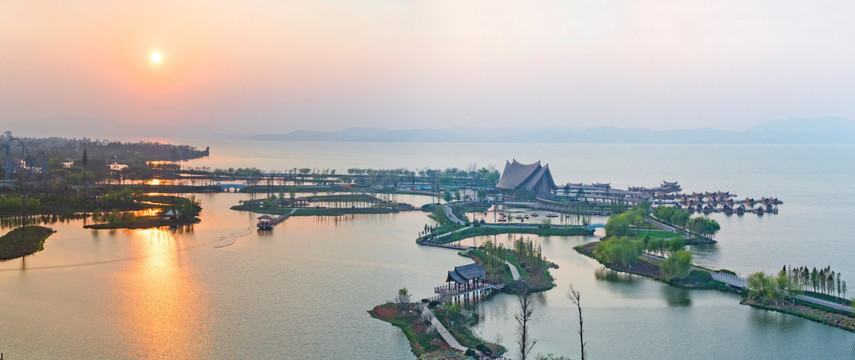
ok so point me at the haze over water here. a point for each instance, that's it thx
(302, 292)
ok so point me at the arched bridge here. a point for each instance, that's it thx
(227, 187)
(592, 227)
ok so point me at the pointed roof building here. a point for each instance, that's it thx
(528, 177)
(466, 273)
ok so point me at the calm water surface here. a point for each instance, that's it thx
(302, 292)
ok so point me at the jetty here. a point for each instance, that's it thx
(464, 283)
(266, 222)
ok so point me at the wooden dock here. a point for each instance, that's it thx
(266, 222)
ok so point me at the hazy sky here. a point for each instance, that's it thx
(242, 67)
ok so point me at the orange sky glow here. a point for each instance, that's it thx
(336, 64)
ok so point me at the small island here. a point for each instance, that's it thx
(23, 241)
(322, 205)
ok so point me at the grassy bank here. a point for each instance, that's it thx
(813, 312)
(542, 283)
(425, 343)
(143, 222)
(23, 241)
(510, 229)
(695, 280)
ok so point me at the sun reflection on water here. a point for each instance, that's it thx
(165, 307)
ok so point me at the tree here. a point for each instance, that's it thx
(761, 285)
(697, 225)
(402, 301)
(576, 298)
(446, 195)
(497, 341)
(617, 226)
(712, 227)
(677, 266)
(680, 218)
(525, 342)
(96, 215)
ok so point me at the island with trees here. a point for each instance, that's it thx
(322, 205)
(22, 241)
(818, 295)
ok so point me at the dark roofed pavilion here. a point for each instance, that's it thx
(466, 273)
(528, 177)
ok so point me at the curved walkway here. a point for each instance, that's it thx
(742, 283)
(449, 339)
(514, 272)
(450, 215)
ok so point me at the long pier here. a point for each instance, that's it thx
(265, 222)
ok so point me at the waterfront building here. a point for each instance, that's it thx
(532, 178)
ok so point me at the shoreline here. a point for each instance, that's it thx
(796, 308)
(13, 245)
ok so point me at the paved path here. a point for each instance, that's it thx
(450, 215)
(451, 232)
(514, 273)
(449, 339)
(826, 303)
(742, 283)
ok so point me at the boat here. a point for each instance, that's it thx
(535, 214)
(551, 215)
(740, 209)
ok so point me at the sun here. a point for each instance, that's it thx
(156, 58)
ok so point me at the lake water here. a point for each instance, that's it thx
(302, 291)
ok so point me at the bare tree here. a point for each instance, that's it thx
(525, 342)
(576, 297)
(497, 341)
(403, 300)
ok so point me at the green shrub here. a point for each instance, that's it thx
(698, 276)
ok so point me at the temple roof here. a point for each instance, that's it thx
(525, 176)
(462, 274)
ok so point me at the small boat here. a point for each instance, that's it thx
(534, 215)
(518, 217)
(759, 210)
(740, 209)
(551, 215)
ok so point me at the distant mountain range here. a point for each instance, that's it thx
(826, 130)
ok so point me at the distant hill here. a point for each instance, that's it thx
(826, 130)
